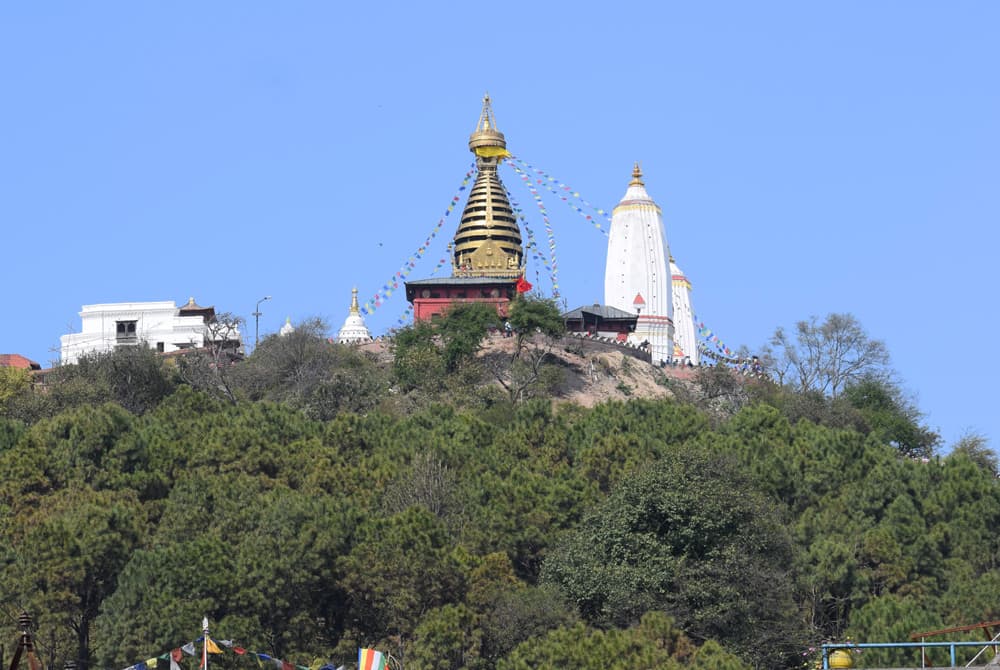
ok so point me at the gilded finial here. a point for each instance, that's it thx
(636, 176)
(487, 121)
(487, 141)
(354, 301)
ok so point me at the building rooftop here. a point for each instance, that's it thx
(606, 312)
(18, 361)
(464, 281)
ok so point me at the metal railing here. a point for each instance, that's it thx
(951, 646)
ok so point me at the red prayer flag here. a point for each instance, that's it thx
(523, 286)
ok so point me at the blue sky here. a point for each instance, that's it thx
(809, 158)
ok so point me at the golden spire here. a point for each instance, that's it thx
(636, 176)
(355, 310)
(488, 240)
(486, 119)
(487, 141)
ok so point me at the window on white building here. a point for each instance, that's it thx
(125, 331)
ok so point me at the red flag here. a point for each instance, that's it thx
(523, 286)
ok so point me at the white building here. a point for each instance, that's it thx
(637, 277)
(685, 342)
(159, 325)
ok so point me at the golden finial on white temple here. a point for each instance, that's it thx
(636, 176)
(354, 301)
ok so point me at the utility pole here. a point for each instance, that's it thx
(256, 324)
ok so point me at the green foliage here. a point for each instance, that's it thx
(975, 447)
(133, 377)
(654, 643)
(305, 370)
(891, 418)
(304, 520)
(462, 330)
(66, 556)
(518, 615)
(400, 567)
(418, 363)
(257, 560)
(14, 382)
(689, 537)
(446, 638)
(536, 315)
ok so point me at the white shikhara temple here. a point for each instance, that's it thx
(685, 341)
(637, 277)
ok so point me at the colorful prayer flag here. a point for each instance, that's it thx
(369, 659)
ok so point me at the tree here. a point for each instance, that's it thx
(462, 331)
(654, 643)
(976, 448)
(309, 372)
(67, 559)
(446, 638)
(826, 356)
(400, 567)
(211, 368)
(526, 370)
(417, 360)
(692, 538)
(891, 417)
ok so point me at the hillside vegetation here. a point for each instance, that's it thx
(443, 505)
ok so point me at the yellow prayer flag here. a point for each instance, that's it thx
(492, 152)
(211, 647)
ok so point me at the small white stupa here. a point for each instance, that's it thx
(637, 277)
(288, 328)
(685, 342)
(354, 329)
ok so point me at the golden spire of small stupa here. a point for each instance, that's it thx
(636, 176)
(355, 310)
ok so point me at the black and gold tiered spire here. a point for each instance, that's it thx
(488, 240)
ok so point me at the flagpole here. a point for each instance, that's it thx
(204, 644)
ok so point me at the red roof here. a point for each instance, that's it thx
(18, 361)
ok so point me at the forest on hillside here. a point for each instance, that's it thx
(444, 508)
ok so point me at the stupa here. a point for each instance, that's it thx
(487, 253)
(637, 278)
(354, 329)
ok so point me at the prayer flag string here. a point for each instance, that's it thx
(532, 245)
(385, 291)
(712, 338)
(213, 646)
(532, 175)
